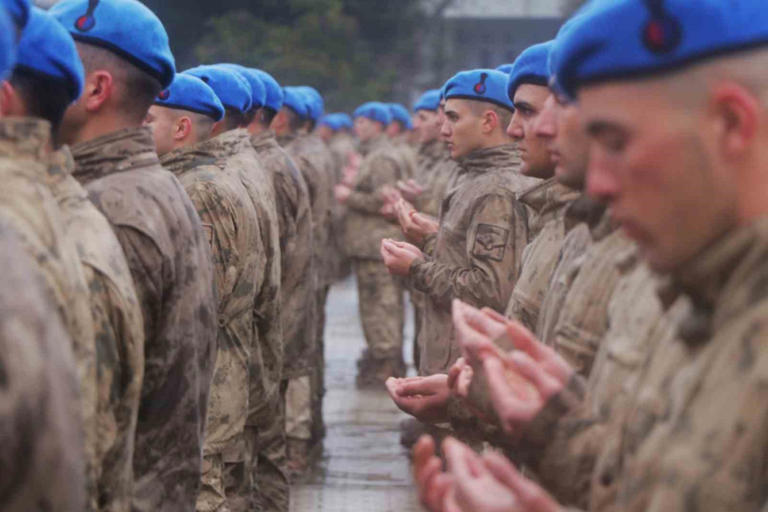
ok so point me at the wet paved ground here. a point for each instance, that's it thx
(363, 468)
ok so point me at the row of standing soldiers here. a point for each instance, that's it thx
(168, 242)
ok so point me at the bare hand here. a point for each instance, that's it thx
(399, 256)
(410, 189)
(425, 398)
(432, 483)
(342, 193)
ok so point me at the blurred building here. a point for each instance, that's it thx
(465, 34)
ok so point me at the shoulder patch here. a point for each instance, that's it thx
(490, 242)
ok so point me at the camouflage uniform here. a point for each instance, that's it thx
(407, 156)
(265, 419)
(439, 173)
(27, 204)
(41, 428)
(581, 216)
(317, 163)
(297, 297)
(119, 329)
(165, 246)
(478, 250)
(380, 295)
(548, 201)
(697, 432)
(316, 166)
(583, 318)
(342, 145)
(230, 222)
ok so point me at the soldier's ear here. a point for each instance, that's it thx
(99, 89)
(182, 129)
(6, 98)
(490, 122)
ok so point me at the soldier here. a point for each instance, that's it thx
(182, 120)
(483, 228)
(380, 294)
(295, 224)
(548, 201)
(47, 52)
(673, 451)
(289, 123)
(39, 413)
(29, 207)
(232, 89)
(399, 131)
(127, 59)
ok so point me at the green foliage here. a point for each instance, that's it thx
(351, 50)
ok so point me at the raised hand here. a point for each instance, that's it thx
(425, 398)
(399, 256)
(432, 483)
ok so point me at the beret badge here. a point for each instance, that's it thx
(480, 87)
(87, 21)
(164, 95)
(662, 34)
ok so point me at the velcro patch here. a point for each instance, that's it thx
(490, 242)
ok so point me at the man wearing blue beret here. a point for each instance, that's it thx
(40, 377)
(547, 201)
(309, 146)
(296, 238)
(380, 294)
(47, 79)
(682, 165)
(237, 97)
(483, 228)
(294, 125)
(400, 132)
(128, 62)
(288, 124)
(182, 120)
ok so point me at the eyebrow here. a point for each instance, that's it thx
(602, 126)
(525, 105)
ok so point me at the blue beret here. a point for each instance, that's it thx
(486, 85)
(505, 68)
(18, 10)
(125, 27)
(531, 67)
(430, 100)
(189, 93)
(46, 49)
(233, 91)
(375, 111)
(258, 91)
(346, 120)
(631, 38)
(7, 44)
(296, 101)
(315, 103)
(401, 114)
(332, 121)
(274, 92)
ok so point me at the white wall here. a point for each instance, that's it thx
(504, 9)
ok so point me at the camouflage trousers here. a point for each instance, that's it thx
(269, 453)
(318, 375)
(226, 486)
(298, 408)
(382, 309)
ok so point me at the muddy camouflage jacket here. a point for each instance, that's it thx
(478, 250)
(296, 248)
(28, 205)
(118, 327)
(167, 252)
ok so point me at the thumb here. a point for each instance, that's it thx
(529, 368)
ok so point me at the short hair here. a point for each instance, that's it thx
(295, 121)
(504, 115)
(266, 116)
(43, 97)
(235, 119)
(203, 125)
(139, 88)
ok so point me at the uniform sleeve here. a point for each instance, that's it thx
(365, 198)
(287, 209)
(496, 237)
(218, 217)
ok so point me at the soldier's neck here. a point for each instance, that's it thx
(98, 128)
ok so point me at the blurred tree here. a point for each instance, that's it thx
(351, 50)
